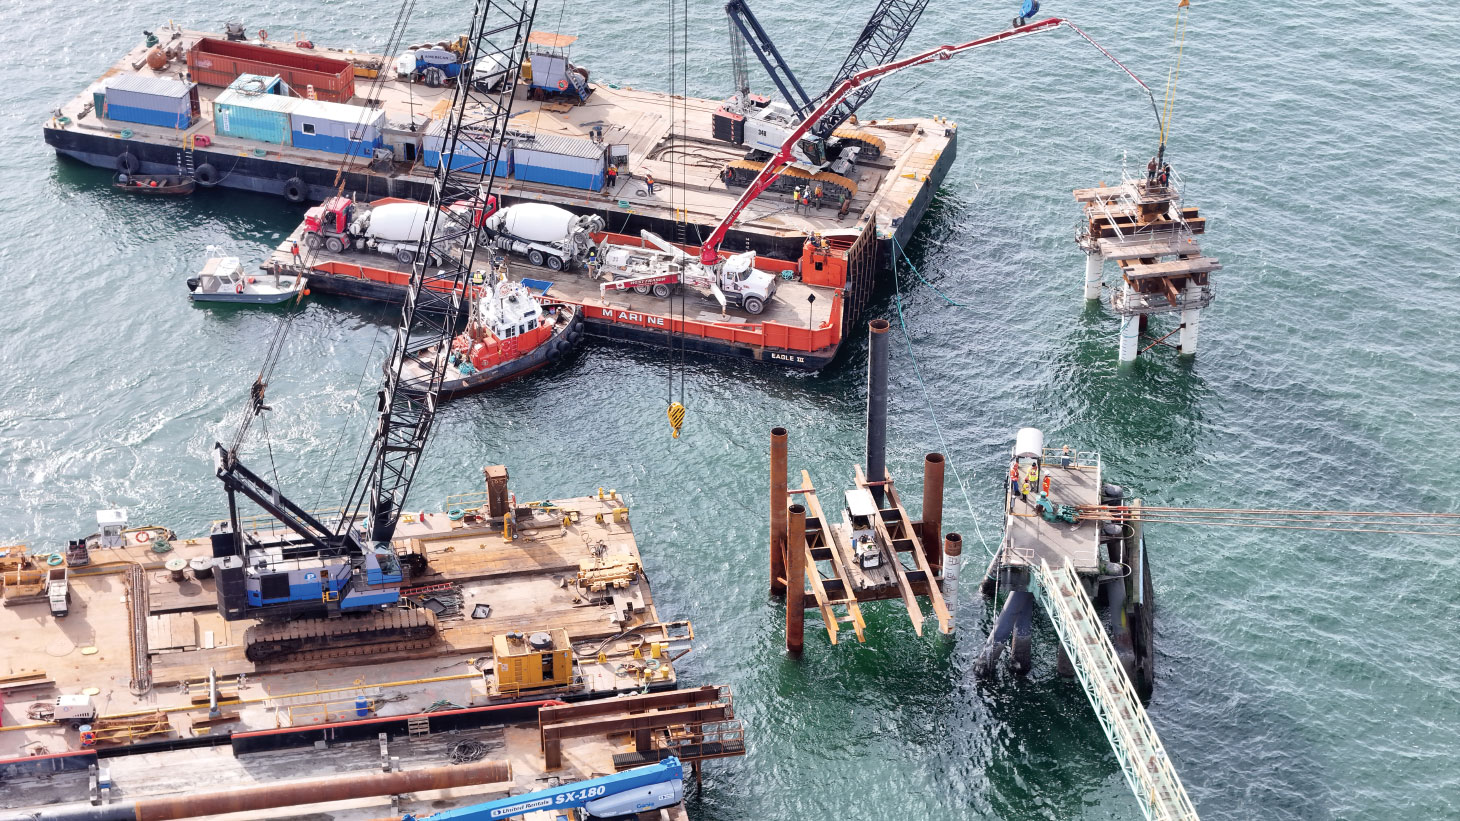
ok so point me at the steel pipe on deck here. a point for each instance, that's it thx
(289, 794)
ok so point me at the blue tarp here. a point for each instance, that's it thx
(539, 285)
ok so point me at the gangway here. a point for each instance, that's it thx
(1142, 758)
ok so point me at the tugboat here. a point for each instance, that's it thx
(222, 280)
(510, 331)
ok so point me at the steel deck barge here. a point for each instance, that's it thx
(689, 198)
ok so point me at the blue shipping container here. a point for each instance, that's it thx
(470, 153)
(557, 176)
(158, 101)
(336, 127)
(572, 162)
(259, 117)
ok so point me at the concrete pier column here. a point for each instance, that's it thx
(1190, 321)
(1094, 275)
(778, 511)
(796, 581)
(952, 562)
(1130, 338)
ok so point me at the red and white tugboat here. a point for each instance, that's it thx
(510, 331)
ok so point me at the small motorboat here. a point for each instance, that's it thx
(223, 280)
(154, 184)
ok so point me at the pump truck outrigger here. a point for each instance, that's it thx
(737, 281)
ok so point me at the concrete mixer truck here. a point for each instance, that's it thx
(392, 228)
(545, 234)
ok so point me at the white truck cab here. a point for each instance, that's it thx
(859, 514)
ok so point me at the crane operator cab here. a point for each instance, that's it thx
(860, 513)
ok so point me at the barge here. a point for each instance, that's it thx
(816, 297)
(635, 128)
(544, 612)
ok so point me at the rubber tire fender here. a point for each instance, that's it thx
(128, 162)
(206, 175)
(295, 190)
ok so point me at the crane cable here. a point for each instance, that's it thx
(677, 194)
(1179, 36)
(932, 411)
(392, 44)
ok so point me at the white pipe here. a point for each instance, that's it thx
(1130, 338)
(1190, 322)
(1094, 275)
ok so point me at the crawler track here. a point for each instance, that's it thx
(349, 635)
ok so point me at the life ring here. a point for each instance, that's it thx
(263, 35)
(303, 44)
(128, 162)
(202, 140)
(55, 559)
(562, 85)
(238, 287)
(144, 536)
(295, 190)
(206, 175)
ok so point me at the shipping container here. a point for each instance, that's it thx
(472, 150)
(160, 101)
(572, 162)
(219, 62)
(249, 115)
(336, 128)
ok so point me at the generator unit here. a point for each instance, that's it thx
(525, 662)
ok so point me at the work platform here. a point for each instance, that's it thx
(682, 156)
(480, 584)
(1093, 579)
(1144, 225)
(145, 610)
(1030, 539)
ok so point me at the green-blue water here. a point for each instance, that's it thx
(1302, 675)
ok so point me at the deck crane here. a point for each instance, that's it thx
(827, 154)
(621, 795)
(298, 580)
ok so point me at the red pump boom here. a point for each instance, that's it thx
(710, 251)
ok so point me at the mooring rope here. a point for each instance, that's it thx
(932, 413)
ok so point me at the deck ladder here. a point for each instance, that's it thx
(1147, 768)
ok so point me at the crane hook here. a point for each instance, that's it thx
(676, 418)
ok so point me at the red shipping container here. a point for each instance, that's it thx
(219, 62)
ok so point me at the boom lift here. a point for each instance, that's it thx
(621, 795)
(301, 579)
(829, 152)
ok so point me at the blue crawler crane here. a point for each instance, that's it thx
(621, 795)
